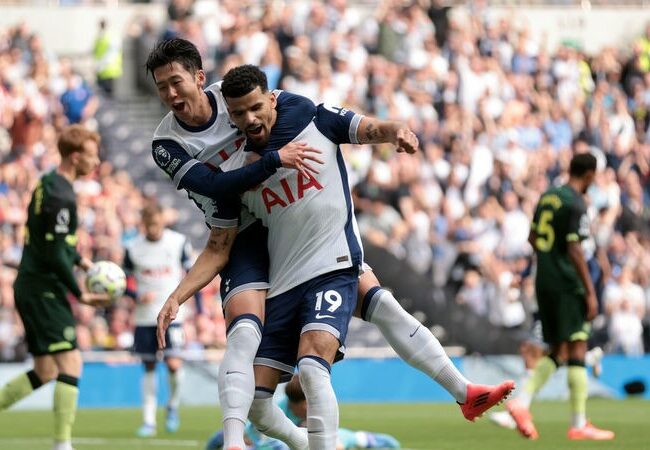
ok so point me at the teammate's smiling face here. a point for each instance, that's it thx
(254, 114)
(182, 92)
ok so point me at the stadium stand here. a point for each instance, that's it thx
(498, 113)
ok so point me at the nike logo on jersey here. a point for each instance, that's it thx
(416, 330)
(230, 372)
(324, 316)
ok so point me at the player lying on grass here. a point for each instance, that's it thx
(294, 406)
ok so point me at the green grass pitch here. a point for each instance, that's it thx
(418, 426)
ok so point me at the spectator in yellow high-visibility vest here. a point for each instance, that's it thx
(644, 46)
(108, 59)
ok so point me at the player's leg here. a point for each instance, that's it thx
(145, 347)
(275, 362)
(553, 325)
(66, 394)
(149, 399)
(328, 304)
(578, 332)
(315, 358)
(266, 415)
(244, 282)
(581, 428)
(244, 314)
(417, 346)
(40, 332)
(175, 379)
(531, 350)
(175, 341)
(577, 381)
(24, 384)
(519, 407)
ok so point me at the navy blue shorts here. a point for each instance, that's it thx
(248, 266)
(324, 303)
(145, 343)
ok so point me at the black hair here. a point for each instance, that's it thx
(174, 50)
(242, 80)
(582, 163)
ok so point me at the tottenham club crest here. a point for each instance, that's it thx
(162, 156)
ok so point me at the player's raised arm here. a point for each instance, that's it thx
(210, 262)
(375, 131)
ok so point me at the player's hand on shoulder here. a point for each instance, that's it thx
(406, 140)
(166, 316)
(96, 300)
(300, 156)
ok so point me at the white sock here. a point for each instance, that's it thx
(237, 380)
(415, 343)
(269, 419)
(149, 400)
(175, 381)
(322, 408)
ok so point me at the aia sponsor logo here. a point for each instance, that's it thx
(289, 192)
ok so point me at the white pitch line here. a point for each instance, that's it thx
(107, 442)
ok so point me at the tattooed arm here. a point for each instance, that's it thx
(210, 262)
(375, 131)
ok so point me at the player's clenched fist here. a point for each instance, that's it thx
(406, 141)
(165, 317)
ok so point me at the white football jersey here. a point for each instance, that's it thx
(178, 147)
(312, 228)
(158, 267)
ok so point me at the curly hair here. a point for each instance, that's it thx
(241, 80)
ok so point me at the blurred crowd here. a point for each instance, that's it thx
(497, 112)
(499, 115)
(39, 94)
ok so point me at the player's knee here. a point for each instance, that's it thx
(43, 375)
(70, 380)
(245, 324)
(313, 370)
(367, 303)
(248, 302)
(174, 364)
(319, 343)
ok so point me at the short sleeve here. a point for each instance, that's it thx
(338, 124)
(578, 227)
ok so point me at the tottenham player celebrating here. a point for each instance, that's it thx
(193, 144)
(314, 248)
(157, 261)
(190, 155)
